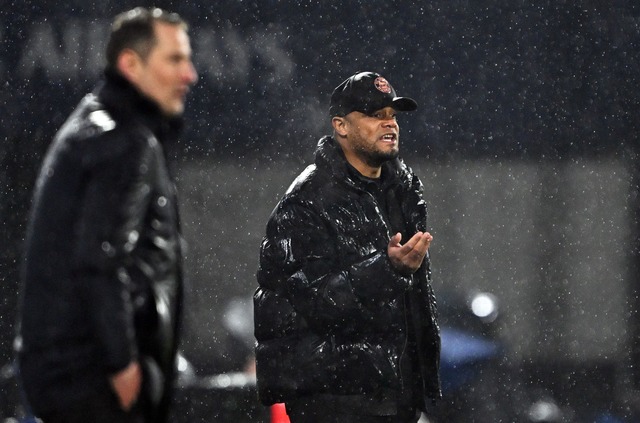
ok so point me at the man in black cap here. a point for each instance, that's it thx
(345, 316)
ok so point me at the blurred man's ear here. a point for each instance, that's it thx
(129, 65)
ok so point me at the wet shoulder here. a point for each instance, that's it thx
(95, 135)
(311, 182)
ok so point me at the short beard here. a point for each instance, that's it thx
(376, 158)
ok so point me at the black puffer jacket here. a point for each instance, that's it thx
(330, 311)
(103, 273)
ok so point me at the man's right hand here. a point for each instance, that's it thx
(126, 384)
(407, 258)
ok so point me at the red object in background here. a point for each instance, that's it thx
(279, 414)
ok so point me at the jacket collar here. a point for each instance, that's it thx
(329, 155)
(126, 103)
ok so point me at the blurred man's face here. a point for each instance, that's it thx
(167, 73)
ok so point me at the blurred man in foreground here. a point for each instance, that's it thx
(102, 288)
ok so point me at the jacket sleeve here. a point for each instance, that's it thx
(299, 259)
(116, 197)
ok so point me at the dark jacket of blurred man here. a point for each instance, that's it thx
(345, 316)
(102, 291)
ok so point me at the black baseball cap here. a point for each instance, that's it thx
(367, 92)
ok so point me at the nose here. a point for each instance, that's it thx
(390, 122)
(190, 74)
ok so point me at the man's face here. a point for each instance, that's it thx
(372, 139)
(167, 73)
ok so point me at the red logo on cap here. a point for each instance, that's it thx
(382, 85)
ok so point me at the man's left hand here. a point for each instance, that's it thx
(407, 258)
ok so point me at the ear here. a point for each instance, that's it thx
(339, 126)
(129, 64)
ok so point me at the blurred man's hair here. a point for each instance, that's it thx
(134, 30)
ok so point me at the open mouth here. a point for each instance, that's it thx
(389, 137)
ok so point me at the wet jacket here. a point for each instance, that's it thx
(332, 317)
(102, 270)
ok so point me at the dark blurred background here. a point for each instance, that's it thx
(526, 140)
